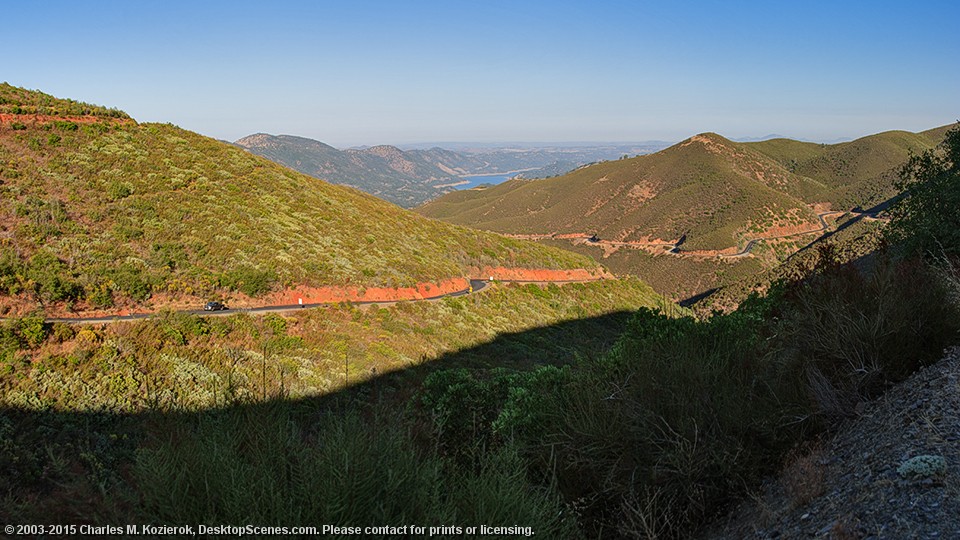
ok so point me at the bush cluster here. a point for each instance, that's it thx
(926, 219)
(670, 424)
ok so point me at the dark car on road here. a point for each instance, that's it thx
(215, 306)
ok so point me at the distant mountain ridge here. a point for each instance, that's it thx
(414, 176)
(385, 171)
(521, 157)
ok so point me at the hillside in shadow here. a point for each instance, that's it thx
(98, 467)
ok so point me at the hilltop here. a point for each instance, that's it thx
(103, 212)
(856, 173)
(707, 190)
(26, 105)
(403, 178)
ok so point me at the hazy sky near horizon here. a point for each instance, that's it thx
(374, 72)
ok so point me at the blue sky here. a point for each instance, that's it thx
(371, 72)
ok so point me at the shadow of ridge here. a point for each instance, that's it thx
(691, 300)
(798, 267)
(882, 205)
(872, 211)
(49, 459)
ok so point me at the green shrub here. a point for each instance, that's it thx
(129, 278)
(276, 323)
(11, 271)
(926, 220)
(248, 280)
(858, 333)
(32, 329)
(680, 411)
(52, 281)
(119, 190)
(63, 332)
(99, 295)
(179, 328)
(258, 465)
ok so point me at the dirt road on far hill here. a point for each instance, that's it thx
(674, 247)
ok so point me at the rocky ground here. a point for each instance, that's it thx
(849, 486)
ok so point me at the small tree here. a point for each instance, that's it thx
(927, 219)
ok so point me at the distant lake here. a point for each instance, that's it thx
(475, 181)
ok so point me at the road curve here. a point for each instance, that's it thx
(823, 226)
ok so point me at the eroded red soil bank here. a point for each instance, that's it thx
(21, 305)
(6, 118)
(332, 294)
(535, 274)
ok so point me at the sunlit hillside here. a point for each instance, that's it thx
(99, 208)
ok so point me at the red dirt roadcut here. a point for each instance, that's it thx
(325, 295)
(317, 295)
(532, 274)
(333, 294)
(43, 118)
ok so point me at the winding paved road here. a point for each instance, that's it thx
(823, 226)
(475, 286)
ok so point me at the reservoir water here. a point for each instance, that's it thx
(474, 181)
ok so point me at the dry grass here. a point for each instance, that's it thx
(803, 475)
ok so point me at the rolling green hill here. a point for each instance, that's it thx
(707, 189)
(857, 173)
(403, 178)
(709, 194)
(98, 210)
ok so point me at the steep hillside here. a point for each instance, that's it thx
(400, 177)
(103, 210)
(858, 483)
(708, 191)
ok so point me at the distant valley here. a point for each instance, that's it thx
(414, 176)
